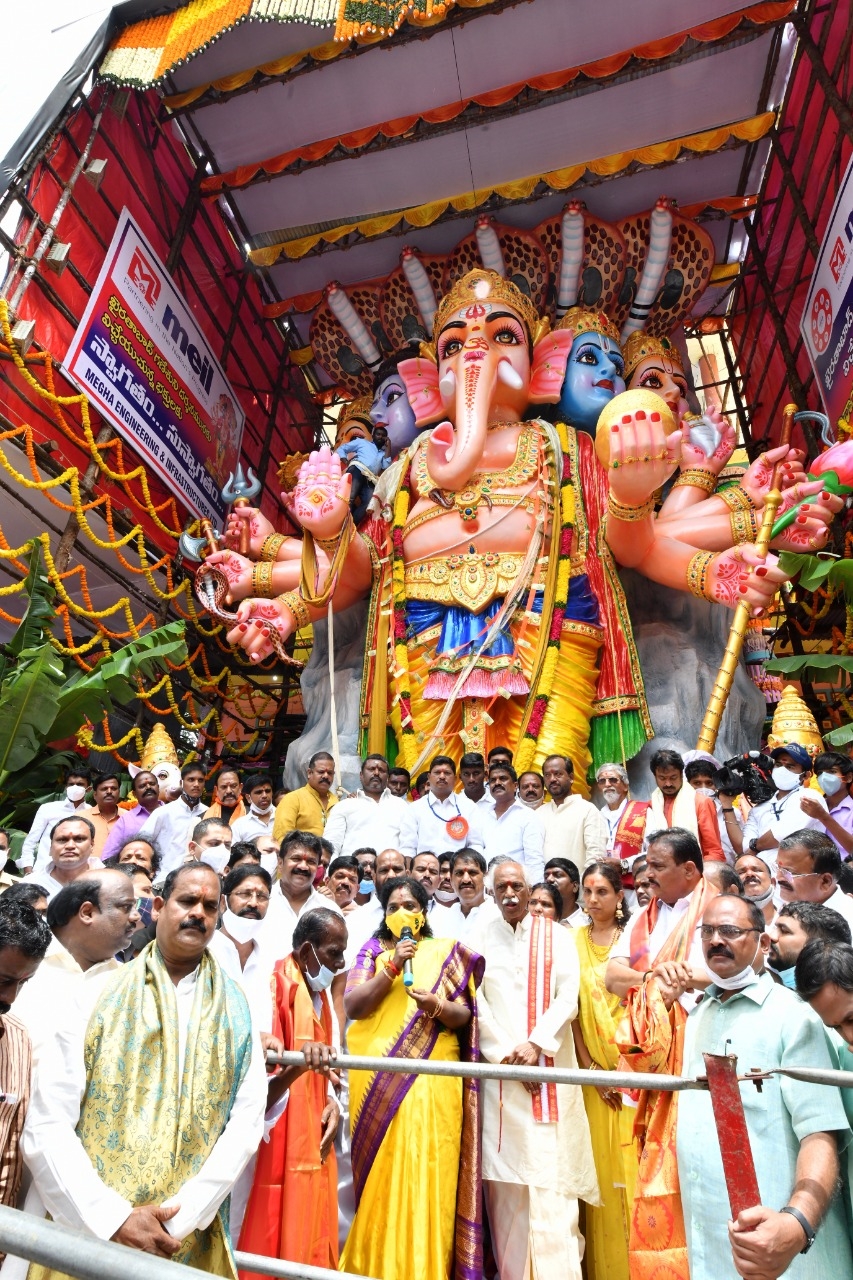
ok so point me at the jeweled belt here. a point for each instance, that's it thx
(472, 581)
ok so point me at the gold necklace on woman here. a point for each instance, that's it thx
(601, 950)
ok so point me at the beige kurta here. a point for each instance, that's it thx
(516, 1149)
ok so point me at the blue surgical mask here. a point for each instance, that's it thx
(319, 981)
(789, 977)
(365, 886)
(829, 783)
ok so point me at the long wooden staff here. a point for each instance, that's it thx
(734, 645)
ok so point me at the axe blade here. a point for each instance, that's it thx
(727, 1106)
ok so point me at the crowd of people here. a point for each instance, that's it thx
(158, 953)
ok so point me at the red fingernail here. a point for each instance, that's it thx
(802, 519)
(826, 494)
(743, 588)
(626, 417)
(641, 413)
(616, 429)
(243, 626)
(761, 572)
(655, 417)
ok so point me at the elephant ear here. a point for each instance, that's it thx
(550, 357)
(420, 376)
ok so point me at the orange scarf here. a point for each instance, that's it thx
(293, 1206)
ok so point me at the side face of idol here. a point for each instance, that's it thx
(594, 375)
(664, 377)
(391, 410)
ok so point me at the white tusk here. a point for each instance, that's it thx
(447, 385)
(510, 376)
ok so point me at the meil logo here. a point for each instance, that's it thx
(144, 278)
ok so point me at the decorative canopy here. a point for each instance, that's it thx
(340, 144)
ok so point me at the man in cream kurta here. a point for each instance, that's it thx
(534, 1170)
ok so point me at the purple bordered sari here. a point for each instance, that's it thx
(459, 975)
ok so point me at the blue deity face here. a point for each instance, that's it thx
(594, 375)
(391, 409)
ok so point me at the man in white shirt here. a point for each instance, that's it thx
(769, 823)
(244, 905)
(574, 828)
(427, 871)
(372, 817)
(510, 829)
(441, 819)
(472, 909)
(70, 854)
(92, 920)
(293, 894)
(181, 1172)
(808, 865)
(675, 877)
(259, 820)
(171, 826)
(531, 789)
(47, 815)
(210, 843)
(537, 1162)
(472, 775)
(363, 923)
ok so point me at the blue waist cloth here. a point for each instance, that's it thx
(463, 631)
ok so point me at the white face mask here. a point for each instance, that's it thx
(445, 896)
(269, 862)
(261, 810)
(829, 783)
(705, 791)
(763, 900)
(216, 856)
(75, 793)
(747, 977)
(785, 779)
(241, 928)
(319, 981)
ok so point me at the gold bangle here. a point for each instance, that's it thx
(439, 1010)
(297, 606)
(270, 546)
(629, 514)
(262, 587)
(736, 499)
(330, 545)
(697, 478)
(697, 573)
(744, 526)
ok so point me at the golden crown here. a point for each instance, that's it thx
(357, 410)
(585, 320)
(485, 286)
(639, 346)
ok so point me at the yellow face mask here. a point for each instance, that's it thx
(401, 918)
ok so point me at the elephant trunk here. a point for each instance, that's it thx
(454, 455)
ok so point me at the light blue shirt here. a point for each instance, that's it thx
(765, 1026)
(365, 452)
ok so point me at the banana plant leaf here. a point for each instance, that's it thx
(87, 695)
(29, 701)
(812, 572)
(839, 737)
(31, 631)
(811, 666)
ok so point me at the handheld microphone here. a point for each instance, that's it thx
(406, 935)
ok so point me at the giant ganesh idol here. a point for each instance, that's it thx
(490, 560)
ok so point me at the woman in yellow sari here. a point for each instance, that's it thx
(610, 1120)
(415, 1138)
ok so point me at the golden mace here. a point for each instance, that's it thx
(734, 645)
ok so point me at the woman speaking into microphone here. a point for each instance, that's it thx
(414, 1138)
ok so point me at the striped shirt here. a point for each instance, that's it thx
(15, 1069)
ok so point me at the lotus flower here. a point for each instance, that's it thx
(835, 468)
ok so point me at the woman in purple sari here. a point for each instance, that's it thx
(415, 1138)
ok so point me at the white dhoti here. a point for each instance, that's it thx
(535, 1232)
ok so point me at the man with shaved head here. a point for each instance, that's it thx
(170, 1029)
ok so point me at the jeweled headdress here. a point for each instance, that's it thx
(357, 410)
(640, 345)
(586, 320)
(485, 286)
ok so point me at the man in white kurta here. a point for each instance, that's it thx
(537, 1154)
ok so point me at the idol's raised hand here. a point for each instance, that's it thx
(320, 501)
(642, 456)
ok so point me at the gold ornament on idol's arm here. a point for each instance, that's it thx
(725, 676)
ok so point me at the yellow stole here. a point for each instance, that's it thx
(147, 1129)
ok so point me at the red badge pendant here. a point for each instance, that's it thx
(457, 828)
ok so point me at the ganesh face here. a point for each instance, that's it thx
(391, 410)
(665, 378)
(594, 375)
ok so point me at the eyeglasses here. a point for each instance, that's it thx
(782, 873)
(246, 895)
(730, 932)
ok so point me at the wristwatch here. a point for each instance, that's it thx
(753, 845)
(804, 1223)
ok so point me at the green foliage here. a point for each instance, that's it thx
(811, 666)
(44, 700)
(812, 572)
(839, 737)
